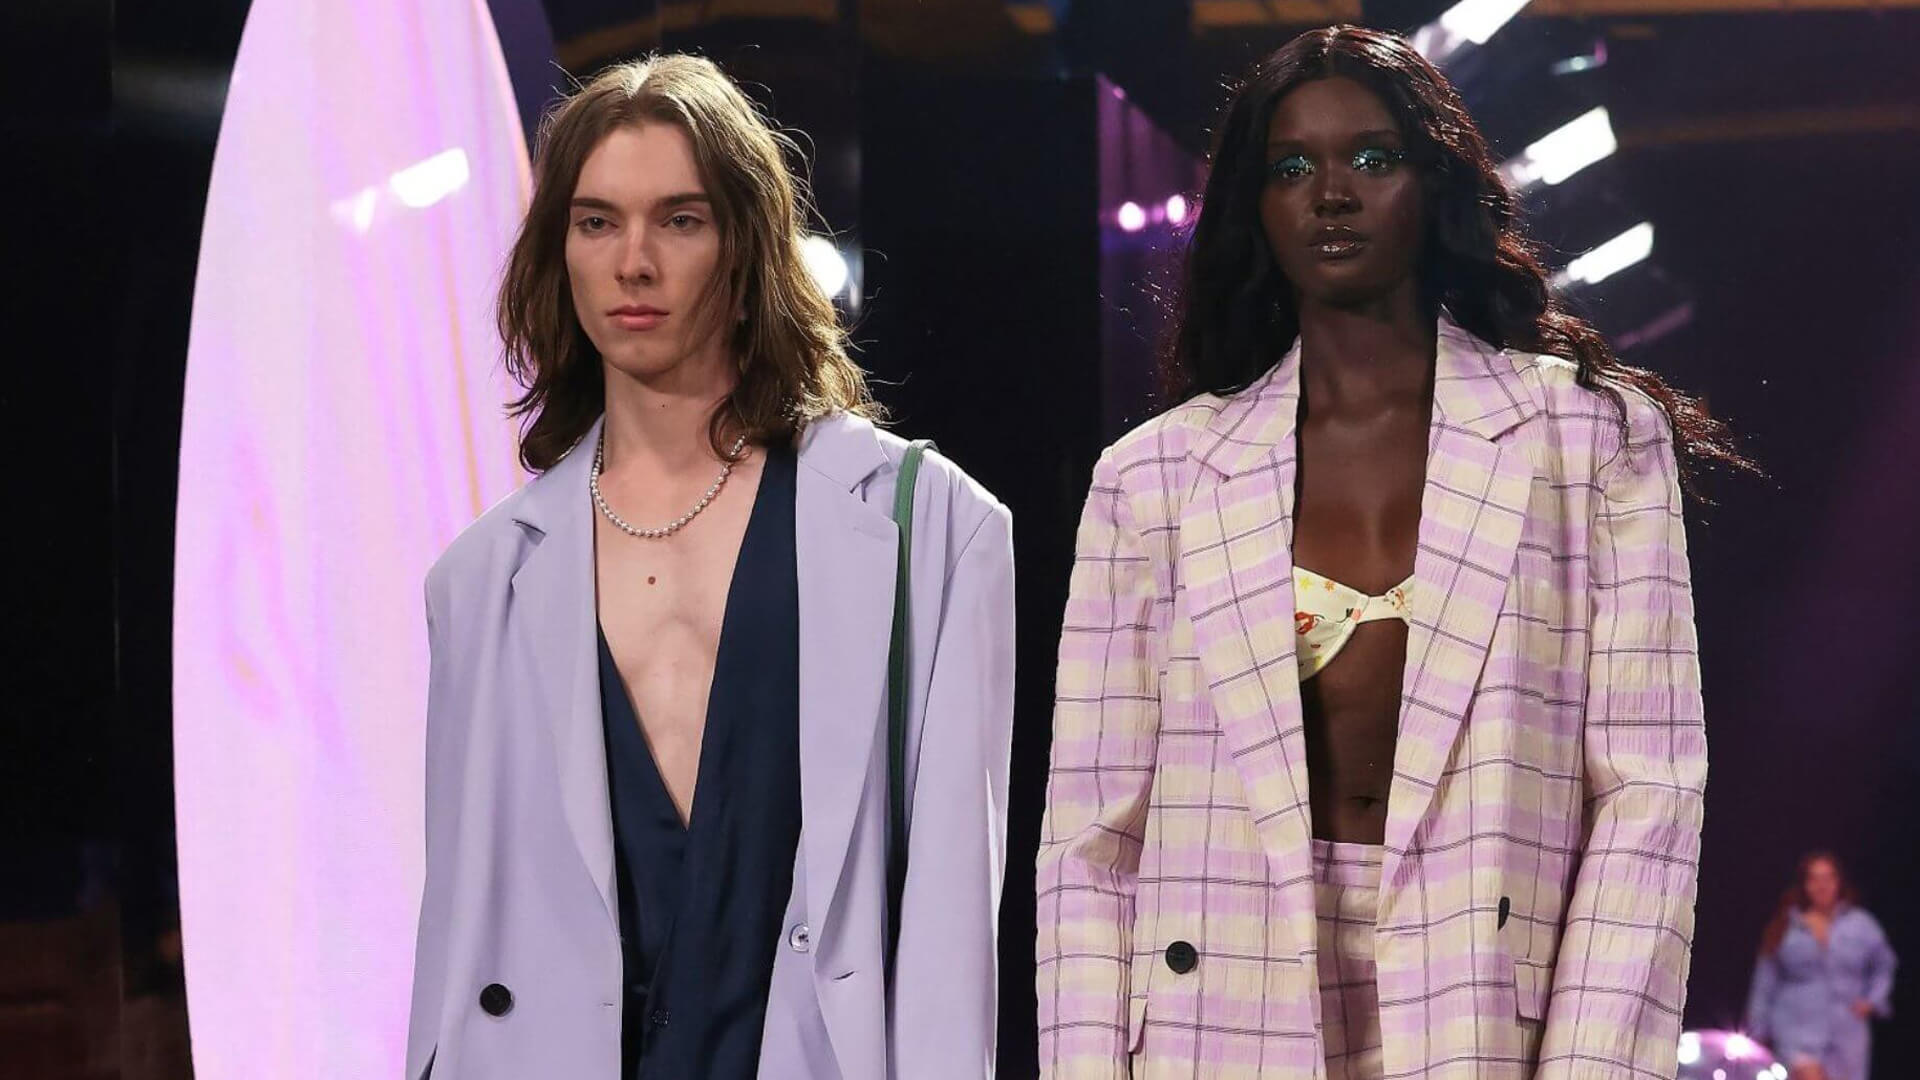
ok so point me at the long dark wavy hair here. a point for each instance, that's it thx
(1235, 315)
(1795, 898)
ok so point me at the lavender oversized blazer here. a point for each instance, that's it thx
(1543, 825)
(520, 855)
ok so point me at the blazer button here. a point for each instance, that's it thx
(497, 1000)
(1182, 957)
(800, 938)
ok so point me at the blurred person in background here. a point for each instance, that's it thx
(1825, 970)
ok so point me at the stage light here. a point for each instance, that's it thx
(416, 187)
(1725, 1055)
(420, 186)
(1574, 65)
(356, 212)
(1176, 208)
(1609, 258)
(1565, 151)
(824, 261)
(1469, 21)
(1132, 217)
(1689, 1047)
(1478, 20)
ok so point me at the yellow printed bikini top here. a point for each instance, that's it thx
(1326, 613)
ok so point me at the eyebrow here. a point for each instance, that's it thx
(684, 198)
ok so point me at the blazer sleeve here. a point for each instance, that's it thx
(430, 949)
(1105, 737)
(946, 978)
(1620, 982)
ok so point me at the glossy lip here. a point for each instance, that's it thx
(1337, 242)
(637, 317)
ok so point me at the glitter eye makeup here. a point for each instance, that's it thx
(1373, 160)
(1378, 159)
(1290, 167)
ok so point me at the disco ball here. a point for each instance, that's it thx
(1726, 1055)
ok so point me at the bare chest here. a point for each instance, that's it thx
(661, 605)
(1357, 500)
(1357, 521)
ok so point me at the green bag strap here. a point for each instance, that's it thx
(897, 701)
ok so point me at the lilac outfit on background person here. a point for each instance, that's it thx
(1801, 1004)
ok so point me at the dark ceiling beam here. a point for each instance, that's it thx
(1773, 124)
(1239, 15)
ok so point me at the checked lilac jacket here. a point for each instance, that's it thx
(1542, 842)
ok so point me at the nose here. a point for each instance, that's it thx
(1333, 193)
(637, 265)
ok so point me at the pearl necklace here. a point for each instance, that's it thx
(671, 527)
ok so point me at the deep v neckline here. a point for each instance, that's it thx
(704, 766)
(711, 890)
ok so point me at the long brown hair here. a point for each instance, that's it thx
(1235, 316)
(1795, 898)
(791, 347)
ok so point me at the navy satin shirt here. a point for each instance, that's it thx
(701, 905)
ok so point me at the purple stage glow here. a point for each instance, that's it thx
(1726, 1055)
(342, 421)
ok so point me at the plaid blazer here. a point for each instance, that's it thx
(1542, 839)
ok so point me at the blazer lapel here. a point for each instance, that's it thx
(845, 552)
(1471, 517)
(554, 604)
(1236, 537)
(1236, 565)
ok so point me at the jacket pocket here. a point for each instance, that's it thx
(1531, 987)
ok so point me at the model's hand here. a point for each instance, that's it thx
(1863, 1008)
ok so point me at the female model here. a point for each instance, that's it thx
(1378, 747)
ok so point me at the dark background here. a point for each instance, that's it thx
(960, 143)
